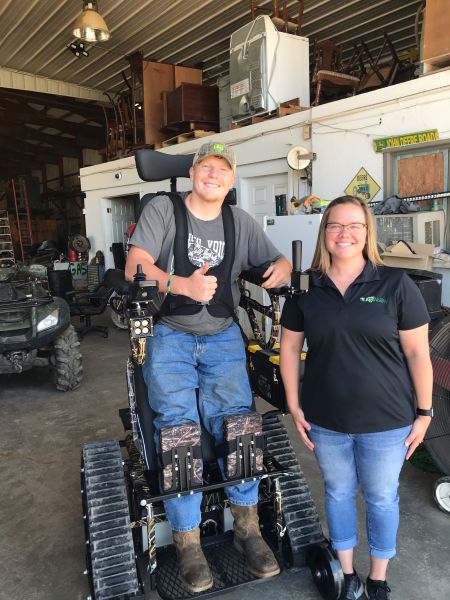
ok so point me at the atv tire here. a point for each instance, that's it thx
(67, 367)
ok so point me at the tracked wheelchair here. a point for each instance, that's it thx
(128, 539)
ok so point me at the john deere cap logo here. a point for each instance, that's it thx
(218, 147)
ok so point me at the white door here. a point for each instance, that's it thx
(121, 210)
(261, 194)
(122, 216)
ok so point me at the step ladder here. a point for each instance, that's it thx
(23, 215)
(7, 258)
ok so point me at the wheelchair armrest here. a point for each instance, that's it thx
(255, 276)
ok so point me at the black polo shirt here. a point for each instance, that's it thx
(356, 376)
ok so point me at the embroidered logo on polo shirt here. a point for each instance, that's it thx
(372, 299)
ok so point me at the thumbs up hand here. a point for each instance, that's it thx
(200, 286)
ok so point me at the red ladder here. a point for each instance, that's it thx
(6, 246)
(23, 216)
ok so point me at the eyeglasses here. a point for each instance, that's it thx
(351, 227)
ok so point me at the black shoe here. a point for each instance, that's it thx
(354, 588)
(377, 590)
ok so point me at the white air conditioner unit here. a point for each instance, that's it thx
(267, 67)
(418, 228)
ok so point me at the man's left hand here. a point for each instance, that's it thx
(278, 274)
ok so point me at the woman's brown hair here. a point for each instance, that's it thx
(322, 259)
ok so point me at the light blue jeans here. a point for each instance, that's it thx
(176, 365)
(373, 461)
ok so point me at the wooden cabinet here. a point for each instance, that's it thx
(435, 35)
(191, 102)
(186, 75)
(157, 79)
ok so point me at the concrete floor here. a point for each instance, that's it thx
(41, 530)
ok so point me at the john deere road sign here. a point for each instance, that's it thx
(397, 141)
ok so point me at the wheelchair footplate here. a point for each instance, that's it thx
(226, 563)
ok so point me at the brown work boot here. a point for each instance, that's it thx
(248, 540)
(193, 566)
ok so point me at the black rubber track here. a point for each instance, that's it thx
(110, 544)
(300, 514)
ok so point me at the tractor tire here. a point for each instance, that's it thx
(67, 367)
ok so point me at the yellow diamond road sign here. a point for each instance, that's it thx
(363, 186)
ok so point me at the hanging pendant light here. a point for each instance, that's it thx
(89, 25)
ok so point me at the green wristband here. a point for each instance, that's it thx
(169, 284)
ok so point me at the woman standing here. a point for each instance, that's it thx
(366, 370)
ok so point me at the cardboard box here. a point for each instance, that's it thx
(409, 256)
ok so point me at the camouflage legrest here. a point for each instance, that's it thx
(177, 436)
(237, 425)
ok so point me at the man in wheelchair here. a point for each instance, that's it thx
(195, 367)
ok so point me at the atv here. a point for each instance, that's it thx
(35, 329)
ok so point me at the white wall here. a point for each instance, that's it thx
(344, 142)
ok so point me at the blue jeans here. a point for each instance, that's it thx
(374, 461)
(176, 365)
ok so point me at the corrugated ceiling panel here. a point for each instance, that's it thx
(35, 34)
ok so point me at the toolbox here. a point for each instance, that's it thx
(430, 286)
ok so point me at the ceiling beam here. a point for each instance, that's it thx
(19, 80)
(22, 132)
(18, 113)
(57, 149)
(87, 110)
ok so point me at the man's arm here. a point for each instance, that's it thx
(261, 251)
(137, 256)
(278, 274)
(199, 286)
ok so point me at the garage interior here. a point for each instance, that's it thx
(61, 110)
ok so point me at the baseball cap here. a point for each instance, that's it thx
(215, 149)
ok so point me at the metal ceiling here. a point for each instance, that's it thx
(38, 129)
(35, 34)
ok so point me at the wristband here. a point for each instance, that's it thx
(169, 284)
(425, 412)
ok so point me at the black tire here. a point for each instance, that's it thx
(441, 494)
(118, 317)
(67, 367)
(119, 321)
(326, 571)
(110, 551)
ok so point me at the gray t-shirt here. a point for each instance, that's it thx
(155, 233)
